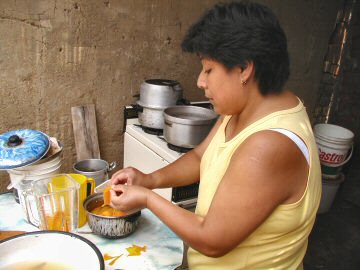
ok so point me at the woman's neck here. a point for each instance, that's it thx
(259, 106)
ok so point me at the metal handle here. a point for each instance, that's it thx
(15, 180)
(14, 141)
(182, 101)
(28, 209)
(345, 161)
(137, 107)
(112, 166)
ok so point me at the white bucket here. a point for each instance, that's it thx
(35, 171)
(334, 143)
(329, 190)
(22, 178)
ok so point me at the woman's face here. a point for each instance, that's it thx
(222, 87)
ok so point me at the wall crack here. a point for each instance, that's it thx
(24, 21)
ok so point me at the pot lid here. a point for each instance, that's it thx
(162, 82)
(22, 147)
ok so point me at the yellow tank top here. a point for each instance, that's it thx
(281, 241)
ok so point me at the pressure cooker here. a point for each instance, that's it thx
(155, 96)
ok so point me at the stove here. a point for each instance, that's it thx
(148, 151)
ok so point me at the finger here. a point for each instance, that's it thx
(118, 189)
(119, 178)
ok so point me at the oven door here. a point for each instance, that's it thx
(139, 156)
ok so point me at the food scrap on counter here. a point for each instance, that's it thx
(135, 250)
(113, 259)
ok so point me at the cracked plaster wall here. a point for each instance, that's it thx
(58, 54)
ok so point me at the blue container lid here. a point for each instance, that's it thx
(22, 147)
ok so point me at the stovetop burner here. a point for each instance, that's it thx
(152, 131)
(178, 148)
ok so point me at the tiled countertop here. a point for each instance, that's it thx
(164, 250)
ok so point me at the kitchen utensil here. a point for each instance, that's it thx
(87, 186)
(57, 201)
(160, 93)
(109, 227)
(85, 132)
(22, 147)
(187, 126)
(97, 169)
(100, 188)
(52, 247)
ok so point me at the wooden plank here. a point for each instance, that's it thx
(85, 132)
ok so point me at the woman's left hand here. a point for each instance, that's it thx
(127, 198)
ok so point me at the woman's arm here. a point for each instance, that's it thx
(183, 171)
(260, 177)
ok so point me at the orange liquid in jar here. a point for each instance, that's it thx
(58, 222)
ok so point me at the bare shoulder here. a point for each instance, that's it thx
(273, 159)
(267, 170)
(269, 146)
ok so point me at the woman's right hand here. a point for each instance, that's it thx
(131, 176)
(129, 198)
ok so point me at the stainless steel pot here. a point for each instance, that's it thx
(187, 126)
(97, 169)
(160, 93)
(151, 117)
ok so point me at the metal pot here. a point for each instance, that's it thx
(160, 93)
(187, 126)
(97, 169)
(151, 117)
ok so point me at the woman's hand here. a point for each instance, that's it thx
(128, 198)
(130, 176)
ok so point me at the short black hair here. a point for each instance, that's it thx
(237, 33)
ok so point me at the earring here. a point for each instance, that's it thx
(244, 82)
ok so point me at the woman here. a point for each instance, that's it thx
(258, 168)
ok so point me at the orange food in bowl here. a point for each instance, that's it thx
(107, 211)
(106, 194)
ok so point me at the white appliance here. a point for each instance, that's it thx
(148, 152)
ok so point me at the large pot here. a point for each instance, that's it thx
(187, 126)
(160, 93)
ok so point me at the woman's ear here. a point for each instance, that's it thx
(247, 72)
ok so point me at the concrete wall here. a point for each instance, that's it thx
(58, 54)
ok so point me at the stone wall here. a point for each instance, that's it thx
(55, 54)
